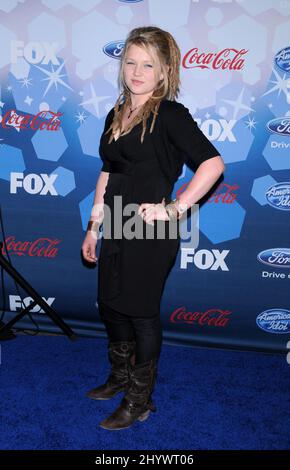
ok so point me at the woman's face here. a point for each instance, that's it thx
(140, 71)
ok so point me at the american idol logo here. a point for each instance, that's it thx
(275, 257)
(278, 196)
(276, 320)
(280, 126)
(114, 49)
(282, 59)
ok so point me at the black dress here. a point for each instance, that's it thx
(132, 272)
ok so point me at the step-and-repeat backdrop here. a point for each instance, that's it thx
(59, 63)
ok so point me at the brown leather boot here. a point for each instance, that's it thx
(137, 403)
(120, 356)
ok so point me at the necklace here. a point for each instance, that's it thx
(131, 110)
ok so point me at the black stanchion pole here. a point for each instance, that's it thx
(38, 300)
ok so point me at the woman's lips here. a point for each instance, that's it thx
(137, 82)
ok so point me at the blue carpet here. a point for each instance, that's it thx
(205, 398)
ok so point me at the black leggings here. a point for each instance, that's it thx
(147, 332)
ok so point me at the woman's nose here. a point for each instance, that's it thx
(137, 71)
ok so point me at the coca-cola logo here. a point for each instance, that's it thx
(44, 120)
(230, 58)
(212, 317)
(224, 194)
(41, 247)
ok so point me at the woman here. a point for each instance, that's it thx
(147, 138)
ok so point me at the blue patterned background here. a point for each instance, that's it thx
(233, 289)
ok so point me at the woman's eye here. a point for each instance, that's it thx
(146, 65)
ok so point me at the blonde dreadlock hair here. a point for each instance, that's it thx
(168, 54)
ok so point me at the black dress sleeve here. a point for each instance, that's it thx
(185, 135)
(106, 163)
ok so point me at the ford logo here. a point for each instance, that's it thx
(114, 49)
(275, 257)
(282, 59)
(278, 196)
(280, 126)
(276, 320)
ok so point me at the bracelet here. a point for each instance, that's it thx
(174, 210)
(181, 208)
(93, 226)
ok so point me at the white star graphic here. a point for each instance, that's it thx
(54, 77)
(81, 117)
(1, 104)
(280, 84)
(207, 115)
(28, 100)
(26, 82)
(238, 104)
(251, 123)
(94, 100)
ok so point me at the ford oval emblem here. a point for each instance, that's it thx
(114, 49)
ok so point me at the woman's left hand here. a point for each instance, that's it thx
(150, 212)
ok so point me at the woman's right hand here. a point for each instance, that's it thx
(89, 247)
